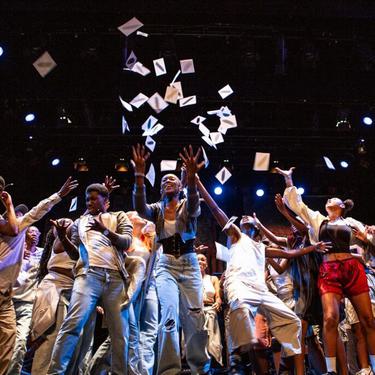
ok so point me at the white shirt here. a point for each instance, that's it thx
(246, 264)
(25, 287)
(11, 248)
(61, 260)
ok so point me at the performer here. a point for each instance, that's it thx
(11, 255)
(178, 279)
(98, 241)
(341, 275)
(246, 289)
(24, 295)
(212, 304)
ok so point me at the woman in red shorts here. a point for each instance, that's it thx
(340, 275)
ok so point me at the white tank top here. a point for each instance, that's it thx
(208, 288)
(61, 260)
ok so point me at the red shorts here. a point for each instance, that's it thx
(343, 277)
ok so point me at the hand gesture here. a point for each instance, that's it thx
(287, 173)
(217, 304)
(370, 229)
(280, 205)
(6, 199)
(201, 248)
(96, 225)
(110, 184)
(323, 247)
(362, 236)
(140, 157)
(68, 186)
(257, 221)
(61, 228)
(191, 161)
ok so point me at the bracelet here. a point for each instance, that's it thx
(136, 174)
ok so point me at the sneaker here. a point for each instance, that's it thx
(365, 371)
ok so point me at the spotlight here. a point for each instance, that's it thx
(367, 120)
(218, 190)
(121, 166)
(300, 190)
(361, 149)
(344, 164)
(80, 165)
(1, 51)
(55, 162)
(259, 192)
(30, 117)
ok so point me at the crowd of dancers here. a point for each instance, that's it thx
(303, 303)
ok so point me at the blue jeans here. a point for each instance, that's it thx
(180, 292)
(149, 328)
(107, 285)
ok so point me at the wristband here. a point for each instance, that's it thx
(136, 174)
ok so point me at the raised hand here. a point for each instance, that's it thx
(68, 186)
(61, 227)
(201, 248)
(191, 161)
(6, 199)
(285, 172)
(110, 184)
(370, 229)
(362, 236)
(323, 247)
(280, 205)
(257, 221)
(140, 157)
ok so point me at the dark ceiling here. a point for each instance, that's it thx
(296, 68)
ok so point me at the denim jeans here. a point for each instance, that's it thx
(180, 292)
(98, 283)
(24, 311)
(149, 328)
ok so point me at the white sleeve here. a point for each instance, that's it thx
(313, 219)
(37, 212)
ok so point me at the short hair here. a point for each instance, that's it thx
(21, 208)
(99, 188)
(2, 182)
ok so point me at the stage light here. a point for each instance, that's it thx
(30, 117)
(344, 164)
(80, 165)
(218, 190)
(361, 148)
(1, 51)
(259, 192)
(367, 120)
(300, 190)
(55, 162)
(121, 165)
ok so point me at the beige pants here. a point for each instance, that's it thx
(7, 331)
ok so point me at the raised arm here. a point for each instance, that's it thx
(285, 212)
(140, 157)
(281, 241)
(8, 227)
(44, 206)
(220, 216)
(192, 167)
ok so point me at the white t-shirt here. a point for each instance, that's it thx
(61, 260)
(283, 283)
(246, 264)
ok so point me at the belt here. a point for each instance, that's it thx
(176, 247)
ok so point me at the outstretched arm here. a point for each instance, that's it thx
(140, 157)
(289, 254)
(280, 205)
(220, 216)
(281, 241)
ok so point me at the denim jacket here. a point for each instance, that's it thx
(187, 211)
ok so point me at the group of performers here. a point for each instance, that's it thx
(301, 299)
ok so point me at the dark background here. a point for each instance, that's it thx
(296, 68)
